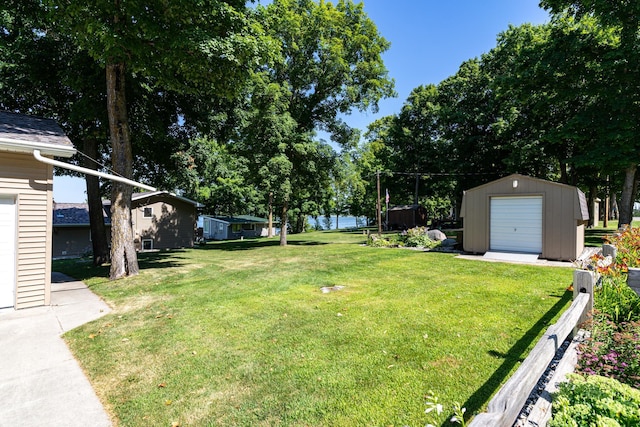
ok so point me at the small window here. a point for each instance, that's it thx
(220, 226)
(236, 228)
(147, 212)
(147, 244)
(249, 227)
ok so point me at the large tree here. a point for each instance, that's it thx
(181, 45)
(35, 79)
(330, 63)
(618, 99)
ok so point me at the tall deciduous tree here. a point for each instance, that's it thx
(619, 97)
(182, 45)
(330, 63)
(35, 79)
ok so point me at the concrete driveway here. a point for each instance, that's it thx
(42, 383)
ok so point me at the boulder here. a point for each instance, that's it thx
(436, 235)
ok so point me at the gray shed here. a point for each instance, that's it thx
(527, 215)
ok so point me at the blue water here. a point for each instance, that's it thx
(343, 222)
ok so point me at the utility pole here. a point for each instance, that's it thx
(270, 232)
(605, 222)
(379, 207)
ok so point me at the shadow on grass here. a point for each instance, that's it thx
(83, 268)
(515, 355)
(594, 237)
(249, 244)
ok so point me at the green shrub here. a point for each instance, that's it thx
(389, 241)
(595, 401)
(615, 300)
(417, 238)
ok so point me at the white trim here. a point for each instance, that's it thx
(142, 244)
(138, 196)
(29, 146)
(8, 251)
(38, 157)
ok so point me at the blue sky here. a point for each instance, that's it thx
(429, 40)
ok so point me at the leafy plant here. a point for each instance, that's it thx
(594, 400)
(387, 241)
(434, 407)
(627, 244)
(417, 238)
(614, 300)
(613, 351)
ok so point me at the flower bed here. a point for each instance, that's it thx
(612, 351)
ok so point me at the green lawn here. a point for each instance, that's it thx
(594, 236)
(240, 334)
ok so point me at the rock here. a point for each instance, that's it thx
(436, 235)
(449, 242)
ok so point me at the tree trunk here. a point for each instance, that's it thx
(614, 213)
(124, 260)
(94, 200)
(593, 195)
(283, 224)
(627, 197)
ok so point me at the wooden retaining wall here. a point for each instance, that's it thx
(506, 405)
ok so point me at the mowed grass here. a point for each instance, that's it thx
(240, 333)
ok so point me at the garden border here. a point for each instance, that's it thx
(505, 407)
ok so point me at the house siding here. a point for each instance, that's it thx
(172, 225)
(31, 183)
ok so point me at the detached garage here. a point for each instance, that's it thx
(525, 215)
(25, 207)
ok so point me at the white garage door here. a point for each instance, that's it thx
(7, 252)
(516, 224)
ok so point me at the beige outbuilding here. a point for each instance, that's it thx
(525, 215)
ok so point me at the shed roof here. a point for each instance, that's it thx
(242, 219)
(404, 208)
(148, 194)
(582, 214)
(22, 133)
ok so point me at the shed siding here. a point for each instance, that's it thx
(562, 232)
(31, 183)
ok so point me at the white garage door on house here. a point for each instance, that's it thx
(7, 252)
(516, 224)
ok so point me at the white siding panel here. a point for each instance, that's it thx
(516, 224)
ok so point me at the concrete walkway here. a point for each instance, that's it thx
(42, 384)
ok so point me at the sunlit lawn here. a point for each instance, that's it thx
(594, 236)
(240, 333)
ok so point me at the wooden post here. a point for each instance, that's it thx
(584, 282)
(379, 207)
(609, 250)
(633, 279)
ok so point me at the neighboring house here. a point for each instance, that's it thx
(72, 231)
(234, 227)
(404, 217)
(26, 203)
(527, 215)
(162, 220)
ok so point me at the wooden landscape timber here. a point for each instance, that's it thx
(505, 407)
